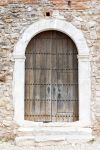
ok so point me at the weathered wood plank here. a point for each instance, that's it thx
(51, 78)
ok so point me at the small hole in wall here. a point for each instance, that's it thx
(69, 3)
(47, 13)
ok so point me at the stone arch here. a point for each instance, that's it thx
(51, 24)
(83, 60)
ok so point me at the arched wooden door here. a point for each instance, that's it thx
(51, 78)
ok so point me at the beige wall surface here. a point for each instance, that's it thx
(15, 19)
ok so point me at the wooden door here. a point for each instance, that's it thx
(51, 78)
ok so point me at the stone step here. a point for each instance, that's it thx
(51, 139)
(47, 135)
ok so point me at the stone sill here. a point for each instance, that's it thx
(26, 123)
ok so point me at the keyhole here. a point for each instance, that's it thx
(59, 95)
(48, 90)
(59, 89)
(54, 90)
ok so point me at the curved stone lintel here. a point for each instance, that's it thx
(51, 24)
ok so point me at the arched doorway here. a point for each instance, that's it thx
(84, 69)
(51, 78)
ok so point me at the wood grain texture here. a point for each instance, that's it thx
(51, 78)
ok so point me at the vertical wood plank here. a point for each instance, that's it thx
(51, 78)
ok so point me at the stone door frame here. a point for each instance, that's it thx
(83, 68)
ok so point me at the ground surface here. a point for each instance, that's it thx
(69, 146)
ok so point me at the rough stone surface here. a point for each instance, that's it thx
(69, 146)
(15, 17)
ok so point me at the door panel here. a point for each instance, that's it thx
(51, 78)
